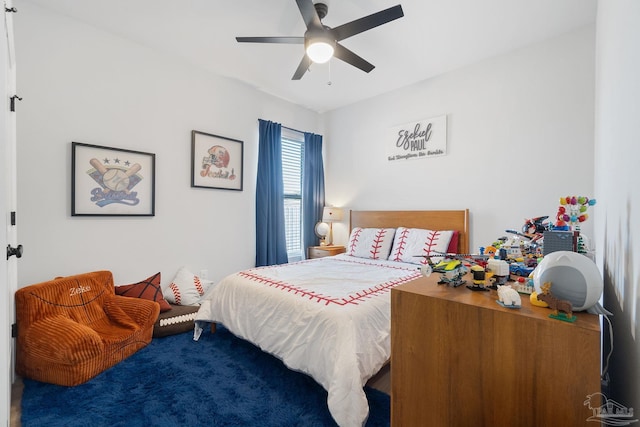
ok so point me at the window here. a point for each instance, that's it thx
(292, 161)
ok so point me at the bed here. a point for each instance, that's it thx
(330, 317)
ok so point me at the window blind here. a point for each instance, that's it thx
(292, 161)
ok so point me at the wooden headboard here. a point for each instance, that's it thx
(431, 220)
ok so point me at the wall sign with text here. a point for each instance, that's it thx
(419, 140)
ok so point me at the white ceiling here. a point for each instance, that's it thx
(434, 36)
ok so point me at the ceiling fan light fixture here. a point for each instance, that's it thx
(320, 49)
(321, 41)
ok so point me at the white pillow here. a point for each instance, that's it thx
(186, 288)
(410, 244)
(372, 243)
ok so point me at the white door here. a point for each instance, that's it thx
(8, 234)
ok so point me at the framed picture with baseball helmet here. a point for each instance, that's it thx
(108, 181)
(216, 161)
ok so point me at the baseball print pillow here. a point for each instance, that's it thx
(372, 243)
(186, 288)
(412, 244)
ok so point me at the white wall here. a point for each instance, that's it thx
(80, 84)
(617, 177)
(520, 136)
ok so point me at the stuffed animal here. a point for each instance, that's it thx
(508, 296)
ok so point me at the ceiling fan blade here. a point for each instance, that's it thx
(309, 14)
(302, 68)
(349, 57)
(366, 23)
(292, 40)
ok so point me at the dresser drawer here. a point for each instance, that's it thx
(323, 251)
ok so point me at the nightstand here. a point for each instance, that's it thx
(323, 251)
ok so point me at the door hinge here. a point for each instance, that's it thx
(14, 330)
(12, 107)
(13, 218)
(17, 251)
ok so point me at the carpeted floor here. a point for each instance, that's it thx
(174, 381)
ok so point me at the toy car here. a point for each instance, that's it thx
(520, 269)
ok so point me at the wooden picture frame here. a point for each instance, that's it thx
(216, 161)
(108, 181)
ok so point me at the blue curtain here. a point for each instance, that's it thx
(312, 187)
(271, 245)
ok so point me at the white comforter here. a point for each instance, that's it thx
(327, 317)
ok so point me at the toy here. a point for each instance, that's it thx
(524, 285)
(480, 276)
(452, 267)
(572, 211)
(529, 260)
(451, 271)
(533, 299)
(520, 269)
(499, 242)
(575, 277)
(500, 269)
(532, 231)
(535, 225)
(508, 297)
(490, 251)
(557, 305)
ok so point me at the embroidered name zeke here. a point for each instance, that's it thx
(79, 290)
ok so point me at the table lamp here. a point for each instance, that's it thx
(331, 215)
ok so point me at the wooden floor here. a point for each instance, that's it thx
(382, 380)
(16, 398)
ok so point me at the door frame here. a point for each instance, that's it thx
(8, 202)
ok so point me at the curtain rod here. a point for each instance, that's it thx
(295, 130)
(301, 131)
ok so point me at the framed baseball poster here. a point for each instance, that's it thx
(216, 161)
(109, 181)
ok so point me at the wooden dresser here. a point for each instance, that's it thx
(460, 359)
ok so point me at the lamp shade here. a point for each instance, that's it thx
(319, 52)
(319, 46)
(330, 214)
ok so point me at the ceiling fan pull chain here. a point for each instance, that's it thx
(329, 82)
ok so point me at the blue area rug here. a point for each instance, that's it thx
(220, 380)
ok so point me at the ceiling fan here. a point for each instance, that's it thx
(321, 42)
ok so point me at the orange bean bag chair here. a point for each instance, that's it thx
(72, 328)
